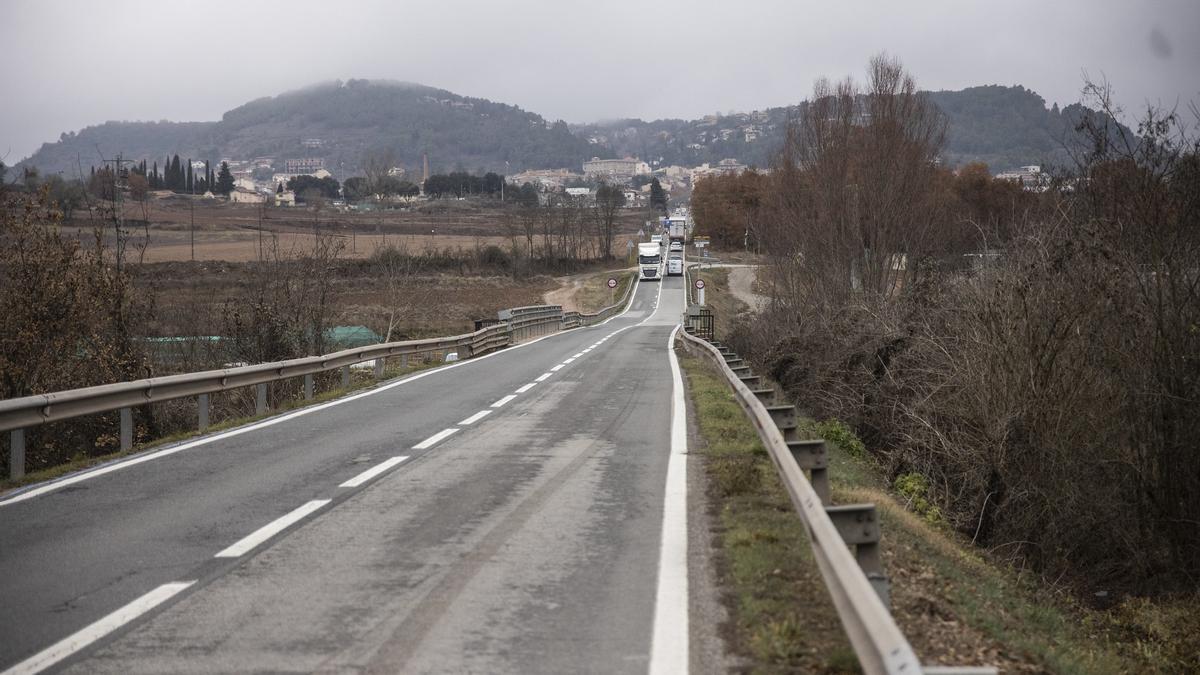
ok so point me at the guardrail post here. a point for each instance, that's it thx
(202, 411)
(345, 377)
(404, 360)
(308, 387)
(260, 400)
(859, 525)
(16, 453)
(379, 368)
(126, 428)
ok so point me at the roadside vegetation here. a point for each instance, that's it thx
(1019, 360)
(956, 604)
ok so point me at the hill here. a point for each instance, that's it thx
(1004, 127)
(1001, 126)
(349, 119)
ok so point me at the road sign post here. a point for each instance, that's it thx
(612, 286)
(700, 291)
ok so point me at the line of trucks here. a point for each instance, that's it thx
(650, 255)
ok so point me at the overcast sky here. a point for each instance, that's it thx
(74, 63)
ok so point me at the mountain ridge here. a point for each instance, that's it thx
(1002, 126)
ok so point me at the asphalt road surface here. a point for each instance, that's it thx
(503, 514)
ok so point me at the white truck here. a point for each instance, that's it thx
(677, 230)
(650, 261)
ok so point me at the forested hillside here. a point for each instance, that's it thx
(350, 119)
(1003, 127)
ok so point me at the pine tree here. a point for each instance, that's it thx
(190, 187)
(224, 180)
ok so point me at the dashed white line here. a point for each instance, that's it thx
(434, 439)
(504, 400)
(542, 377)
(522, 390)
(588, 350)
(568, 360)
(475, 418)
(96, 630)
(557, 368)
(252, 540)
(577, 355)
(373, 472)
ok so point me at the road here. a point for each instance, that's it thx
(528, 539)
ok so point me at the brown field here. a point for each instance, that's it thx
(161, 228)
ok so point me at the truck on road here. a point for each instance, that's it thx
(650, 261)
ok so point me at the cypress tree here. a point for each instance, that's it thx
(191, 186)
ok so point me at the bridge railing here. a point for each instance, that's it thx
(856, 581)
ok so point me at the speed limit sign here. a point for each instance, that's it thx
(699, 284)
(612, 283)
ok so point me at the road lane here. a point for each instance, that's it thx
(72, 556)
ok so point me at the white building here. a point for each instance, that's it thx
(244, 196)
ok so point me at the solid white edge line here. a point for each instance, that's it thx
(522, 390)
(254, 539)
(117, 465)
(475, 418)
(373, 471)
(543, 377)
(503, 401)
(669, 644)
(97, 629)
(435, 439)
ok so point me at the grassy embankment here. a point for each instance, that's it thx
(955, 605)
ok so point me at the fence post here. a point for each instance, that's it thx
(126, 428)
(260, 402)
(202, 404)
(16, 455)
(308, 387)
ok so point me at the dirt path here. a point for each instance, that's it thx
(741, 284)
(565, 294)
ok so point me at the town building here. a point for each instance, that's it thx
(244, 196)
(303, 165)
(614, 169)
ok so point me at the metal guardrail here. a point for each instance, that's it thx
(525, 323)
(856, 582)
(516, 325)
(611, 310)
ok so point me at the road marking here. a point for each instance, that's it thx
(434, 439)
(568, 360)
(252, 540)
(96, 630)
(522, 390)
(588, 350)
(504, 400)
(373, 471)
(557, 368)
(475, 418)
(542, 377)
(669, 644)
(577, 355)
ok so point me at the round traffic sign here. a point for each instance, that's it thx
(612, 283)
(699, 283)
